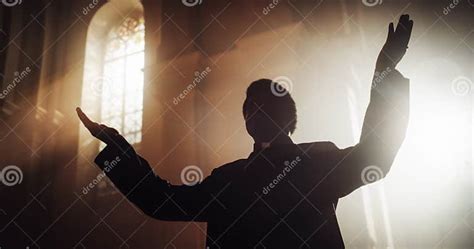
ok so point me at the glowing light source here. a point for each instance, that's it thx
(122, 91)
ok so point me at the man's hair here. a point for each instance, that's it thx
(275, 101)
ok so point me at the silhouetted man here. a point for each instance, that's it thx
(283, 195)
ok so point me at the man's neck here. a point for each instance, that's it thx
(283, 139)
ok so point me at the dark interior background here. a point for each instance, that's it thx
(327, 49)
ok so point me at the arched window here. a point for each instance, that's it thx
(112, 90)
(122, 84)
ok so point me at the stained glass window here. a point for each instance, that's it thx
(122, 84)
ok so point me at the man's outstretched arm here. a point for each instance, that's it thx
(385, 122)
(135, 179)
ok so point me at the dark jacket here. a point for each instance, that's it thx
(283, 196)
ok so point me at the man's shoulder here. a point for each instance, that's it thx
(318, 147)
(230, 168)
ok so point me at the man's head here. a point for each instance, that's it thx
(269, 111)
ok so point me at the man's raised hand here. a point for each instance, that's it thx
(103, 133)
(396, 45)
